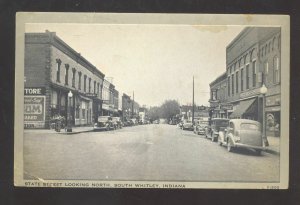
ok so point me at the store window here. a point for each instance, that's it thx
(83, 109)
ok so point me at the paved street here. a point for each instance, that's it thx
(144, 152)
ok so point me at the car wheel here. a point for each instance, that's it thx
(258, 151)
(229, 146)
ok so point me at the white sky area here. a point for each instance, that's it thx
(157, 62)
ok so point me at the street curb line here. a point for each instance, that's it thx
(272, 151)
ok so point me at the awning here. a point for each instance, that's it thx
(242, 108)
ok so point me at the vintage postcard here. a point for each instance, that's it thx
(106, 100)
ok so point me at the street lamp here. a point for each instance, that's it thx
(263, 91)
(69, 125)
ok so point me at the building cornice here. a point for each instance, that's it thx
(54, 40)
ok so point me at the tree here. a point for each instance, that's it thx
(154, 113)
(169, 109)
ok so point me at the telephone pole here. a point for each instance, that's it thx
(193, 103)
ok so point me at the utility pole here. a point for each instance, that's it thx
(193, 103)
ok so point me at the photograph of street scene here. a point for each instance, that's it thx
(151, 102)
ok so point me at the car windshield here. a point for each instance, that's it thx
(222, 123)
(249, 126)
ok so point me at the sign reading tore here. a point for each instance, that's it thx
(34, 108)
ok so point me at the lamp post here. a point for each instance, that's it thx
(263, 91)
(69, 124)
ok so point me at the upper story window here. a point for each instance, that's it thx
(276, 75)
(247, 77)
(242, 79)
(90, 85)
(94, 87)
(228, 85)
(58, 61)
(79, 80)
(232, 88)
(237, 81)
(73, 77)
(254, 73)
(84, 85)
(67, 74)
(98, 93)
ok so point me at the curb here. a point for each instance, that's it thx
(72, 133)
(272, 151)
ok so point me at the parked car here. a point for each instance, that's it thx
(180, 124)
(117, 122)
(214, 126)
(242, 133)
(128, 123)
(104, 123)
(187, 125)
(200, 127)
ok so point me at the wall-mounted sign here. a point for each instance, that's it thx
(226, 106)
(34, 111)
(91, 95)
(34, 91)
(273, 100)
(250, 93)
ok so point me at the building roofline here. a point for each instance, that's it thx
(54, 40)
(219, 78)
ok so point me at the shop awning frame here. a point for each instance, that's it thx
(242, 108)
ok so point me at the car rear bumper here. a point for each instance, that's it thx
(249, 146)
(99, 128)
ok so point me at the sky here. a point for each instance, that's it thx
(156, 62)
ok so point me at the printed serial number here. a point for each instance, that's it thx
(272, 187)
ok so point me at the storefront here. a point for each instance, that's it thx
(273, 115)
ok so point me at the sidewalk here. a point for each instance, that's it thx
(75, 130)
(274, 145)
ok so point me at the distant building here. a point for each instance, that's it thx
(52, 70)
(199, 112)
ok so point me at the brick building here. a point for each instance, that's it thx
(218, 96)
(253, 60)
(54, 67)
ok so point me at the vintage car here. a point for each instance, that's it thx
(117, 122)
(214, 126)
(187, 125)
(200, 127)
(104, 123)
(242, 133)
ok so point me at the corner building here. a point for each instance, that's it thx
(252, 60)
(53, 66)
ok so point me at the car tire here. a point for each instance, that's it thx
(229, 146)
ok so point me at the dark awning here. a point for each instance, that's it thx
(242, 108)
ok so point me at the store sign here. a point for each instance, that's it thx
(273, 100)
(34, 111)
(34, 91)
(226, 106)
(250, 93)
(91, 95)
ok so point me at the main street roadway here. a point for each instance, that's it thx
(144, 152)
